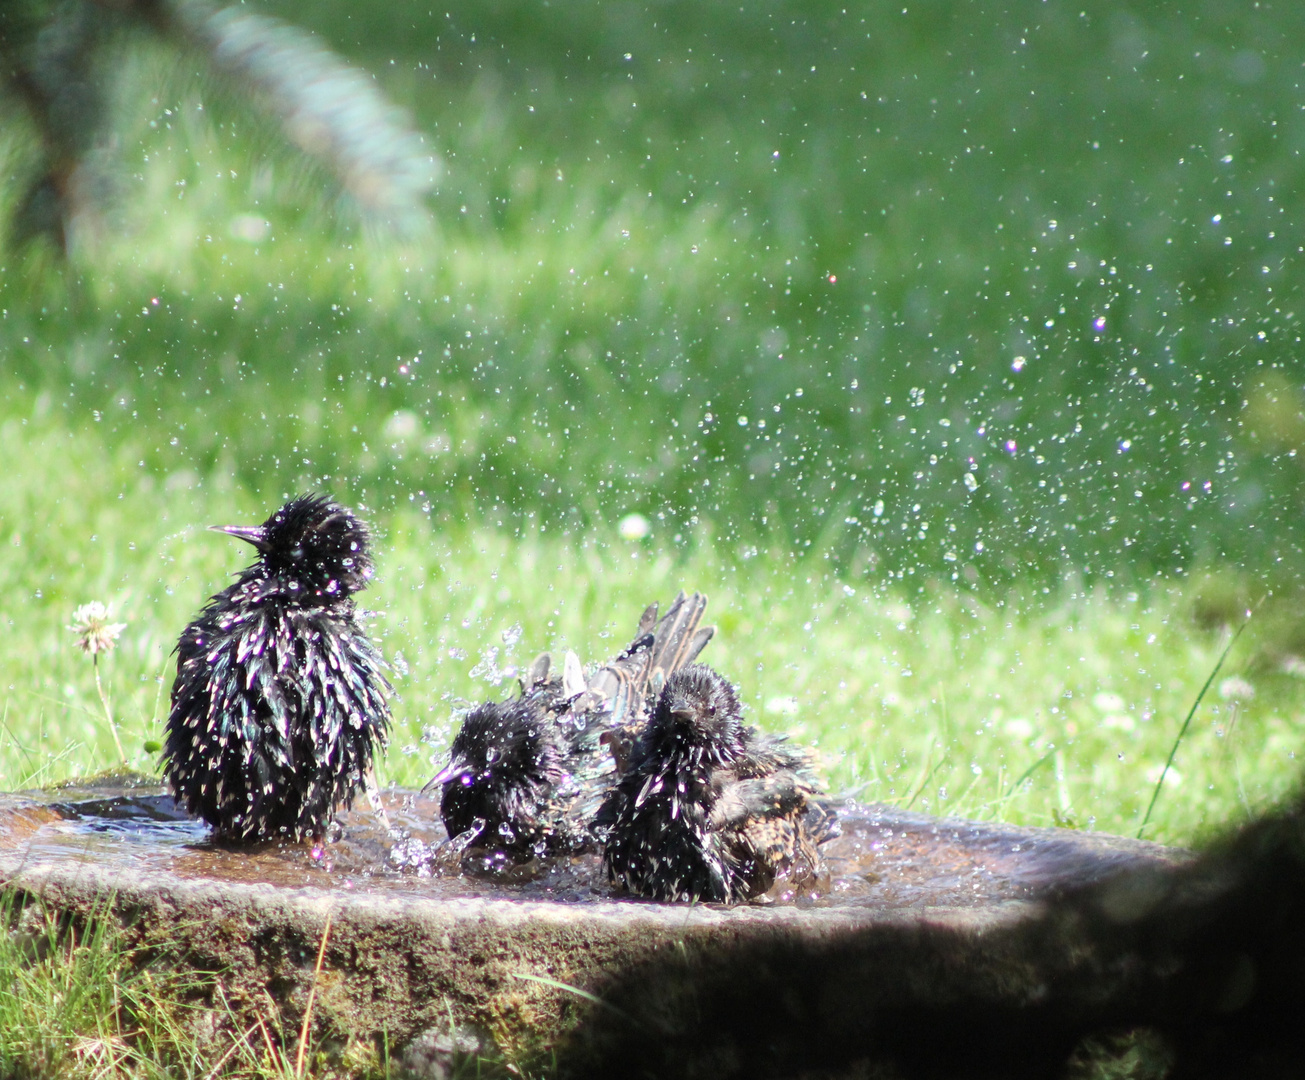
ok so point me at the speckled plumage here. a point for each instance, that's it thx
(709, 808)
(525, 776)
(280, 700)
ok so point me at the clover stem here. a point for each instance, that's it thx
(108, 713)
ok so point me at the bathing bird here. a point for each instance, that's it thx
(525, 776)
(280, 701)
(709, 808)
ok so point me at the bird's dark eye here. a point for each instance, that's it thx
(711, 710)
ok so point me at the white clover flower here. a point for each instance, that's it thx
(1236, 689)
(634, 527)
(95, 634)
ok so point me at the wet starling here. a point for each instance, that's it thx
(525, 776)
(710, 809)
(280, 698)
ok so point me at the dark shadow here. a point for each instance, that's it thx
(1211, 956)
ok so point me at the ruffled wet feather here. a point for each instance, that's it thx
(527, 776)
(280, 701)
(709, 808)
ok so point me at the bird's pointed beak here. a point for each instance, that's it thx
(251, 534)
(452, 769)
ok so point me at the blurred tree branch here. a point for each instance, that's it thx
(55, 60)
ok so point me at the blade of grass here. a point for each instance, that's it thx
(242, 1044)
(1031, 770)
(929, 778)
(1173, 750)
(1011, 791)
(273, 1054)
(27, 754)
(593, 998)
(312, 994)
(958, 800)
(236, 1044)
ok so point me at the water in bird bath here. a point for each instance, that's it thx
(885, 858)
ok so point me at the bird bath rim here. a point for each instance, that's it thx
(886, 859)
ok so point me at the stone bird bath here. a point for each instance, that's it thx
(922, 915)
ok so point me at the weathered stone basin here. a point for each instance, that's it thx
(919, 910)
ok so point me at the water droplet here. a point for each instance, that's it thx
(487, 668)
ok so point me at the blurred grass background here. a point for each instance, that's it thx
(952, 348)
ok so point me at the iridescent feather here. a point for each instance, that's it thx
(526, 776)
(280, 701)
(709, 808)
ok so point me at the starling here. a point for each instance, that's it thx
(708, 808)
(526, 775)
(280, 698)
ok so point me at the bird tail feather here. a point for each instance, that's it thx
(678, 638)
(661, 647)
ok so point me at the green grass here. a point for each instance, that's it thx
(1027, 706)
(621, 272)
(83, 1001)
(80, 1001)
(1039, 707)
(985, 550)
